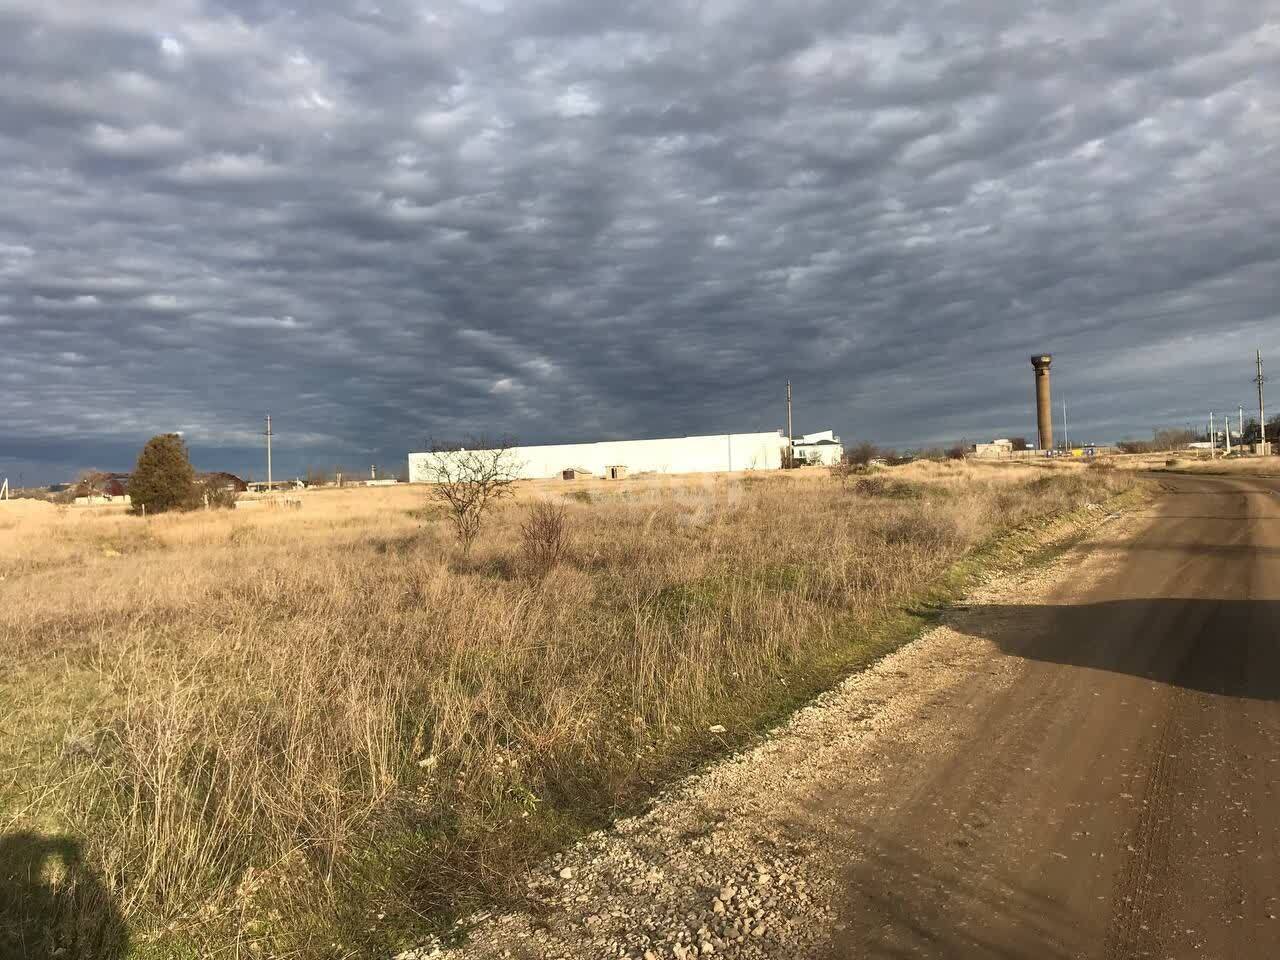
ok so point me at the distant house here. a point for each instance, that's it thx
(995, 450)
(101, 488)
(223, 480)
(261, 486)
(823, 448)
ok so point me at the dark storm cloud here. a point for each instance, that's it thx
(571, 220)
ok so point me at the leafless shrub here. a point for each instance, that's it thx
(544, 538)
(469, 480)
(846, 470)
(861, 454)
(890, 487)
(215, 495)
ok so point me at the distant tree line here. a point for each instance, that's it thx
(1177, 438)
(864, 453)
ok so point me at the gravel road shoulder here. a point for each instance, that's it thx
(746, 859)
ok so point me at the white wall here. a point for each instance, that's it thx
(102, 499)
(713, 454)
(827, 454)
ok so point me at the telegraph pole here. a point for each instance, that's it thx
(789, 433)
(1066, 434)
(1213, 439)
(1262, 413)
(1240, 432)
(268, 435)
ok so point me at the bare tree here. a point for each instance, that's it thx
(861, 455)
(469, 480)
(844, 471)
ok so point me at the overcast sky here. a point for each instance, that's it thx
(589, 219)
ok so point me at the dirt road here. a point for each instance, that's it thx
(1085, 762)
(1122, 797)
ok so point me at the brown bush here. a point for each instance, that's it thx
(544, 538)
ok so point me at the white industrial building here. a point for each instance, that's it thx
(718, 453)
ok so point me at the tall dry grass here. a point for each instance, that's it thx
(302, 733)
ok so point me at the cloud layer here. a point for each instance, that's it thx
(594, 218)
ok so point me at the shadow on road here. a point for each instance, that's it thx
(1223, 647)
(52, 904)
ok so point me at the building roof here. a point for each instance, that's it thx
(105, 484)
(221, 476)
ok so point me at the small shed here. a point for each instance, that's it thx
(574, 473)
(615, 473)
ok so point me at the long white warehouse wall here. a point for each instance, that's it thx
(714, 454)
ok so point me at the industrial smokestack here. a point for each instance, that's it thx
(1044, 403)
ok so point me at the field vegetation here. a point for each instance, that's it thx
(318, 732)
(1199, 461)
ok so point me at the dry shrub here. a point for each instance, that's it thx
(878, 485)
(294, 721)
(544, 538)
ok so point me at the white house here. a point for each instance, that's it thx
(818, 449)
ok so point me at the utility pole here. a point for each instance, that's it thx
(4, 489)
(1213, 439)
(1226, 433)
(1066, 434)
(789, 433)
(1262, 413)
(1240, 432)
(268, 435)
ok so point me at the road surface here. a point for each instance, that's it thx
(1121, 797)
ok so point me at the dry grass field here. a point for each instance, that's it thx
(304, 732)
(1195, 461)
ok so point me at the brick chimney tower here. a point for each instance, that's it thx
(1044, 403)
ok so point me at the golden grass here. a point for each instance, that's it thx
(305, 732)
(1197, 462)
